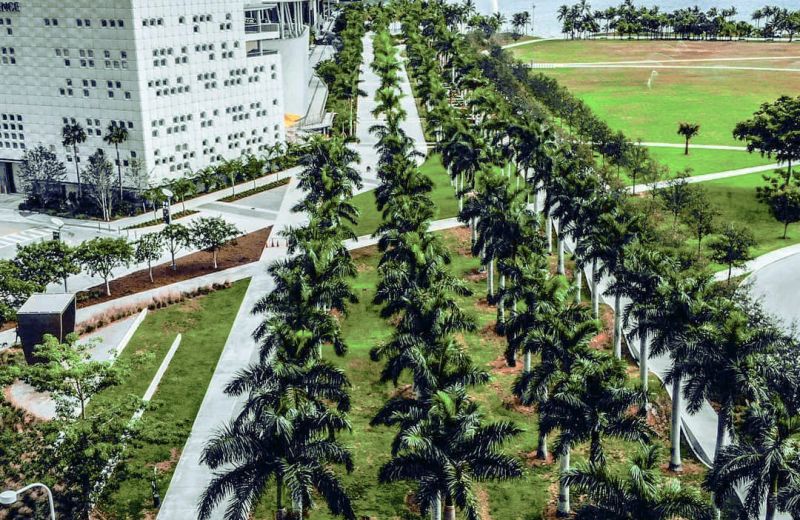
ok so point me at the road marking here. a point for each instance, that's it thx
(26, 235)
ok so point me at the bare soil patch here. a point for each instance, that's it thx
(247, 249)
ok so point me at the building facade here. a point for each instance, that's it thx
(182, 76)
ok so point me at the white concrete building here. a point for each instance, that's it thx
(194, 82)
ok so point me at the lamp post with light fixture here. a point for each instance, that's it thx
(10, 496)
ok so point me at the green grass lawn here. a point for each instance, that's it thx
(204, 323)
(735, 198)
(714, 99)
(442, 195)
(525, 499)
(703, 161)
(583, 51)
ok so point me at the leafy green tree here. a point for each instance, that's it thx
(676, 195)
(47, 262)
(14, 290)
(444, 446)
(688, 131)
(176, 237)
(732, 246)
(764, 455)
(182, 188)
(148, 249)
(69, 374)
(774, 130)
(99, 175)
(100, 256)
(117, 135)
(212, 234)
(42, 175)
(782, 196)
(643, 494)
(73, 135)
(637, 162)
(700, 215)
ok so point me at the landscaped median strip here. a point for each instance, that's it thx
(105, 475)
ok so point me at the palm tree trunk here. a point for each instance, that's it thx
(460, 192)
(577, 274)
(618, 326)
(77, 171)
(280, 512)
(643, 358)
(119, 172)
(474, 231)
(595, 296)
(563, 490)
(549, 234)
(490, 279)
(500, 304)
(561, 269)
(436, 510)
(526, 363)
(675, 463)
(450, 512)
(722, 421)
(772, 498)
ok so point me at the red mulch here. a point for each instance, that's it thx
(247, 249)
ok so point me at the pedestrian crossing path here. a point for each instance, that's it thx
(24, 236)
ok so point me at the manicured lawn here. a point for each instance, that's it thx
(735, 198)
(524, 499)
(716, 99)
(442, 196)
(565, 51)
(204, 323)
(703, 161)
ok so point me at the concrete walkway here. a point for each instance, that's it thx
(694, 146)
(642, 188)
(190, 477)
(653, 66)
(528, 42)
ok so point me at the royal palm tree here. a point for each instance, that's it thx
(682, 308)
(726, 363)
(641, 495)
(763, 458)
(688, 131)
(116, 135)
(290, 449)
(73, 135)
(444, 447)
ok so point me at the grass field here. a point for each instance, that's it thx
(442, 195)
(204, 323)
(525, 499)
(703, 161)
(581, 51)
(735, 198)
(716, 99)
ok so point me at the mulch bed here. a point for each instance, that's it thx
(247, 249)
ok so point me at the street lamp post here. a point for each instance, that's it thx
(10, 496)
(167, 207)
(58, 223)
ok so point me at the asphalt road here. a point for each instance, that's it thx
(776, 286)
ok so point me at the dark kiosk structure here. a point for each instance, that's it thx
(42, 314)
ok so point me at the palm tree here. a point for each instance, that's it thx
(682, 307)
(644, 272)
(182, 188)
(72, 135)
(116, 135)
(564, 332)
(292, 449)
(763, 459)
(726, 363)
(641, 495)
(688, 131)
(444, 447)
(592, 401)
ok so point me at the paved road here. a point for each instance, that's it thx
(776, 286)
